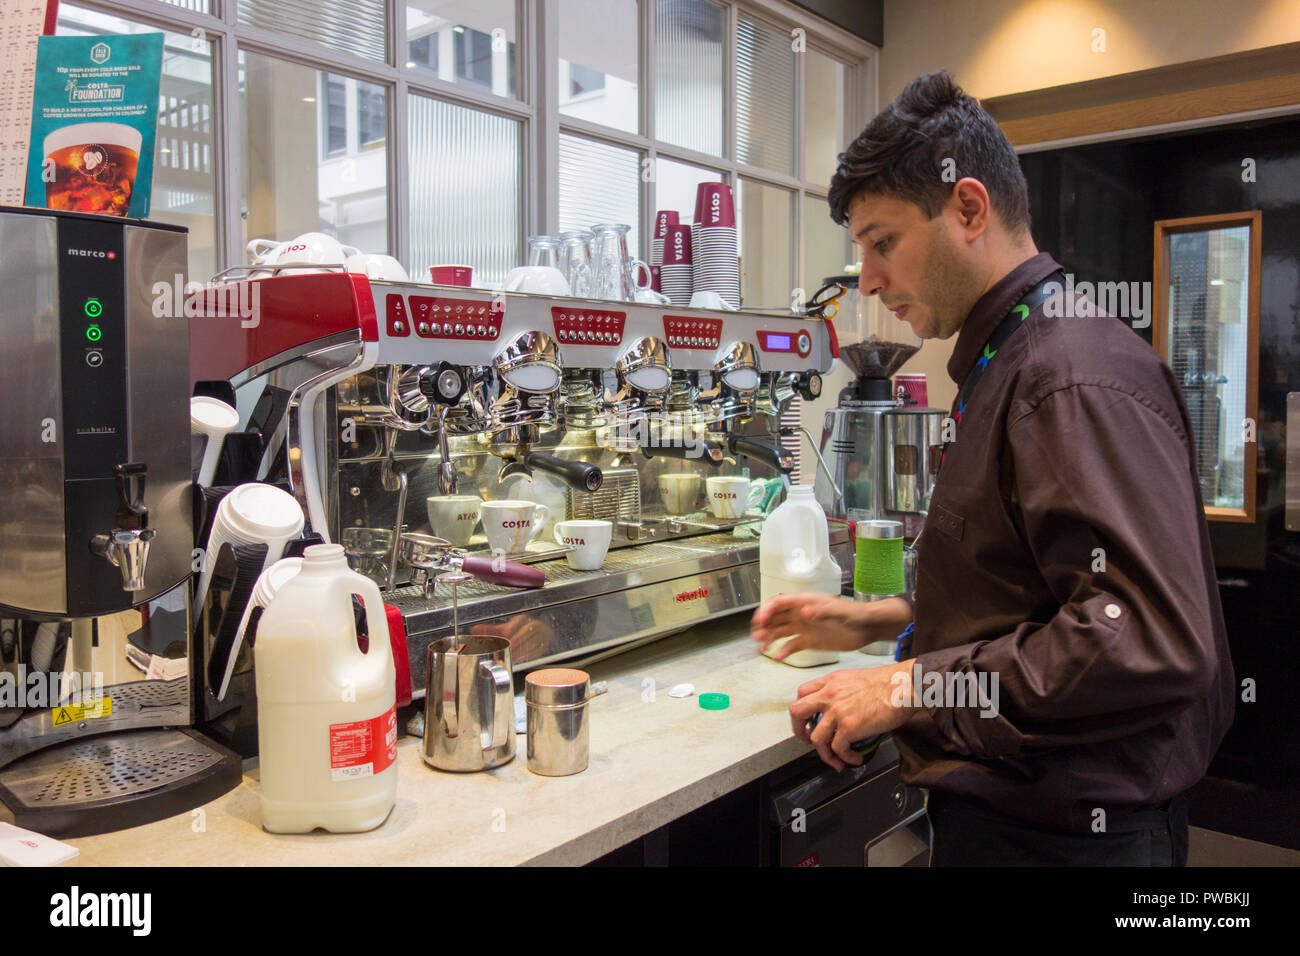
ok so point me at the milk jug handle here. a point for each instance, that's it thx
(501, 717)
(376, 617)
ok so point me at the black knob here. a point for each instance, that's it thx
(443, 386)
(809, 385)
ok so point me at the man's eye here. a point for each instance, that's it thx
(881, 246)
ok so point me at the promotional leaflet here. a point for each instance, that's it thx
(94, 116)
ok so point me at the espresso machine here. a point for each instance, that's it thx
(882, 453)
(96, 528)
(372, 396)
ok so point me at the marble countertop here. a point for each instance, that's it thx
(653, 759)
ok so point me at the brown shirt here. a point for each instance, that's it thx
(1066, 552)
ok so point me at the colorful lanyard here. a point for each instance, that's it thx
(1006, 328)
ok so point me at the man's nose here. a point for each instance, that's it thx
(870, 282)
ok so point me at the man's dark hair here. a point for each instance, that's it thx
(902, 153)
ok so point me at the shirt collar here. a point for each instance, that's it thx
(991, 308)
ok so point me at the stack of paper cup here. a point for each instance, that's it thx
(675, 274)
(713, 247)
(253, 513)
(663, 219)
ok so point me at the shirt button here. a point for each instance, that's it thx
(1113, 611)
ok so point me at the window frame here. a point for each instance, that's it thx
(536, 105)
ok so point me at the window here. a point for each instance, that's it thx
(727, 99)
(466, 175)
(467, 42)
(286, 192)
(372, 117)
(185, 160)
(336, 115)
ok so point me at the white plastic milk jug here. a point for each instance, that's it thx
(326, 712)
(794, 555)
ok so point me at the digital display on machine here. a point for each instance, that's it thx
(778, 341)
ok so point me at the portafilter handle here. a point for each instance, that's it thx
(578, 475)
(769, 454)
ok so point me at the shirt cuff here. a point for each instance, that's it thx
(958, 706)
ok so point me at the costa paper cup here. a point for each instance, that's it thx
(677, 246)
(716, 205)
(913, 386)
(451, 275)
(663, 219)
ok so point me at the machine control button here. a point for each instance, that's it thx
(469, 330)
(1113, 611)
(423, 328)
(94, 358)
(94, 308)
(492, 332)
(460, 329)
(803, 343)
(482, 331)
(446, 328)
(399, 327)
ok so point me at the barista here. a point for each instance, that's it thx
(1068, 677)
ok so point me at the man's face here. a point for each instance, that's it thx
(919, 267)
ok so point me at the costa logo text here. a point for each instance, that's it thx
(581, 542)
(725, 494)
(523, 523)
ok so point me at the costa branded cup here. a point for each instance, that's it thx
(93, 167)
(679, 491)
(716, 206)
(454, 517)
(589, 541)
(663, 219)
(730, 496)
(510, 524)
(913, 386)
(451, 275)
(677, 246)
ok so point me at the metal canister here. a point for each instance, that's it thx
(558, 734)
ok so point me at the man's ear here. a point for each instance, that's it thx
(970, 202)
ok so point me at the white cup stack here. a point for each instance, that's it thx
(714, 266)
(252, 513)
(675, 275)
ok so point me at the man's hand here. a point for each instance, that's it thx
(826, 623)
(855, 705)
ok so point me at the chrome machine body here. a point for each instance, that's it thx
(882, 454)
(95, 508)
(395, 392)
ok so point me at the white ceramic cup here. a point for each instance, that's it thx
(651, 297)
(454, 517)
(377, 266)
(511, 523)
(252, 513)
(710, 300)
(262, 251)
(309, 249)
(679, 491)
(540, 280)
(730, 496)
(589, 541)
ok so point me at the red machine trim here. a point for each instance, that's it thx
(835, 340)
(237, 325)
(397, 637)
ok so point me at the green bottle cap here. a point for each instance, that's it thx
(715, 701)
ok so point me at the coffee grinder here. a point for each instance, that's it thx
(96, 528)
(882, 452)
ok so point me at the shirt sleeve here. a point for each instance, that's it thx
(1112, 518)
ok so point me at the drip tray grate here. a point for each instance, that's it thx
(117, 780)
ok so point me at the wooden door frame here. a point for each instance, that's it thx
(1160, 334)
